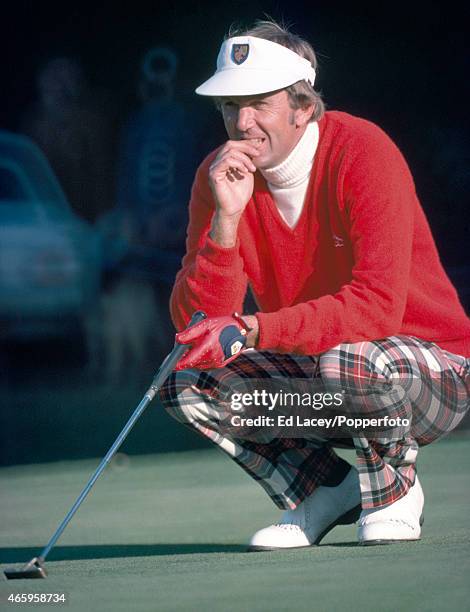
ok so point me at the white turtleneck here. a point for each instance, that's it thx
(288, 181)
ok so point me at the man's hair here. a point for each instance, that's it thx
(300, 94)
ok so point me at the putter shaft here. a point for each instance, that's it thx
(164, 371)
(35, 568)
(109, 455)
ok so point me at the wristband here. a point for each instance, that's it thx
(239, 319)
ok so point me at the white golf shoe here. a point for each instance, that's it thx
(313, 518)
(400, 521)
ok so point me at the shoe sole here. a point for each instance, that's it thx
(349, 517)
(380, 542)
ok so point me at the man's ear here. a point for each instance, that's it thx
(303, 115)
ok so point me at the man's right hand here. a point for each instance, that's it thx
(231, 181)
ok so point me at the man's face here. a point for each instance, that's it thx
(268, 121)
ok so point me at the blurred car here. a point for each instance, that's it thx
(50, 259)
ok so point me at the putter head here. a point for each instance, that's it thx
(34, 569)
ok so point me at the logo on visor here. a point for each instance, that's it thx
(240, 53)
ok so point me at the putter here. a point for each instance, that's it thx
(35, 568)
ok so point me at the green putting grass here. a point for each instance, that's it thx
(167, 532)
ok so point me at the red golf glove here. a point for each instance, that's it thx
(215, 342)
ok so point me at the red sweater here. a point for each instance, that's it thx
(360, 264)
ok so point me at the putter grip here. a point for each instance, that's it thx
(176, 354)
(179, 349)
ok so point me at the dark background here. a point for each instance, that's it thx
(398, 65)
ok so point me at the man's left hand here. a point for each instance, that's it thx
(215, 342)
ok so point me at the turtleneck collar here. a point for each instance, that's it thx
(298, 164)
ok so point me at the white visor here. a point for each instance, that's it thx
(248, 66)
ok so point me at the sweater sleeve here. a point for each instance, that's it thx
(379, 204)
(212, 278)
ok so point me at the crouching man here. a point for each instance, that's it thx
(316, 212)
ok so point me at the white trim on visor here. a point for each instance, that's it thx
(247, 65)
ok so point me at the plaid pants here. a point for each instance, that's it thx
(401, 376)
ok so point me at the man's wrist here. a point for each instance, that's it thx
(252, 336)
(250, 327)
(224, 230)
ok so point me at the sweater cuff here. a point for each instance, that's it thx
(219, 255)
(269, 336)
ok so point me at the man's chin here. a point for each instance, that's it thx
(262, 162)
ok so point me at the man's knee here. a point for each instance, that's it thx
(192, 395)
(358, 373)
(358, 367)
(176, 393)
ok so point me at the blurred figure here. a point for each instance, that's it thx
(144, 235)
(158, 159)
(124, 338)
(75, 138)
